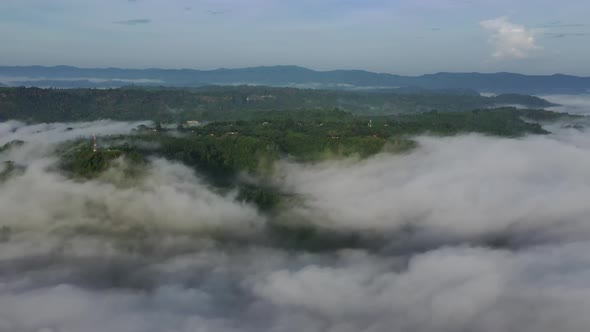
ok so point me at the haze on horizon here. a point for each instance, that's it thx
(402, 37)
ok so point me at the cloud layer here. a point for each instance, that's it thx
(134, 21)
(468, 233)
(466, 186)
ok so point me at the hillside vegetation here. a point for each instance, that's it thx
(230, 103)
(228, 147)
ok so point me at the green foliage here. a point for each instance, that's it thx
(7, 169)
(506, 122)
(229, 147)
(82, 161)
(301, 236)
(227, 103)
(10, 145)
(265, 198)
(219, 154)
(544, 116)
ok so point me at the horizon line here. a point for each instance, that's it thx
(292, 66)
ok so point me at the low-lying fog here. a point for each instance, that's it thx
(467, 233)
(573, 104)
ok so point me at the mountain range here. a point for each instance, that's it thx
(293, 76)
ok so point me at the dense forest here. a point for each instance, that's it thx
(232, 146)
(231, 103)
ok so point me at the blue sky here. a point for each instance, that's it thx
(396, 36)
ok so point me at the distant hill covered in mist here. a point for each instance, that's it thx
(293, 76)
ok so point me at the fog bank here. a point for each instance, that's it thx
(471, 233)
(573, 104)
(468, 186)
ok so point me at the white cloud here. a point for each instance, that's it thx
(170, 276)
(466, 186)
(511, 41)
(573, 104)
(169, 195)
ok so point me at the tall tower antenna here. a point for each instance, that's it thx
(94, 145)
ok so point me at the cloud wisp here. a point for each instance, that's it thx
(138, 21)
(510, 40)
(566, 34)
(559, 25)
(218, 12)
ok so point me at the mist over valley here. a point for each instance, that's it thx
(294, 166)
(454, 232)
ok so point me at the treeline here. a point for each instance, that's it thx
(229, 103)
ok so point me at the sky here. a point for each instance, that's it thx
(409, 37)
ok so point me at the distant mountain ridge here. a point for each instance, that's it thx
(294, 76)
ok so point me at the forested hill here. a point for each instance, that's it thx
(66, 76)
(228, 147)
(222, 103)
